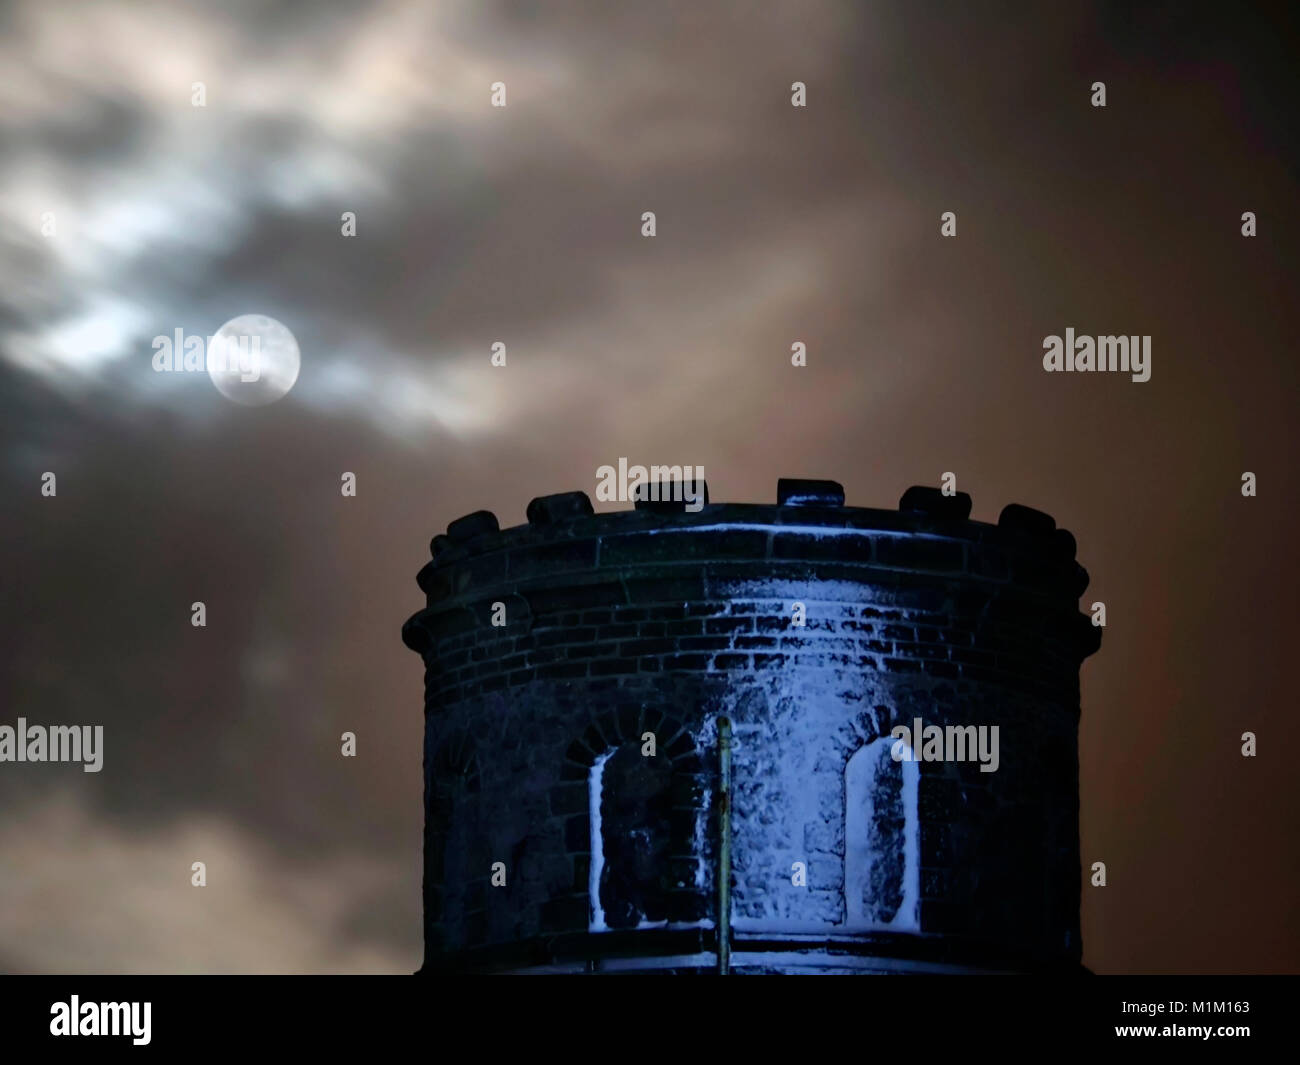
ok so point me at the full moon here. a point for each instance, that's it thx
(253, 360)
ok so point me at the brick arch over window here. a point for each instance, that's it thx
(640, 838)
(453, 775)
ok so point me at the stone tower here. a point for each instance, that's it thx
(630, 715)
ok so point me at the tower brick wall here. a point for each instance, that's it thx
(552, 649)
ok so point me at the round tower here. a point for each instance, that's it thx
(756, 738)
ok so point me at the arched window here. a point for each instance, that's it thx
(882, 839)
(631, 846)
(640, 842)
(453, 775)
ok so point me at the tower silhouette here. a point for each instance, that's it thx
(664, 740)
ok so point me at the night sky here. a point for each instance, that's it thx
(522, 225)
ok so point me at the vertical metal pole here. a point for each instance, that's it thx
(724, 847)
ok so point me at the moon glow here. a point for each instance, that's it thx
(253, 360)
